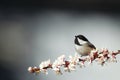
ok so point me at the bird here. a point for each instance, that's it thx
(82, 45)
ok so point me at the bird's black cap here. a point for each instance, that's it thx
(81, 37)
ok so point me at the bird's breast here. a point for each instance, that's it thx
(83, 50)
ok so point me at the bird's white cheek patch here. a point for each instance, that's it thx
(77, 47)
(81, 41)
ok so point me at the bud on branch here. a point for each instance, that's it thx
(100, 56)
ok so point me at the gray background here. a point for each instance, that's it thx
(27, 39)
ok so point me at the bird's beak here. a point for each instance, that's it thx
(75, 36)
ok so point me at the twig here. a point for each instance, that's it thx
(101, 56)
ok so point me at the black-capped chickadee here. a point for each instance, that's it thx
(82, 45)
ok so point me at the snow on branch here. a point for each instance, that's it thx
(101, 56)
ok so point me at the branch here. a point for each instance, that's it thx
(101, 56)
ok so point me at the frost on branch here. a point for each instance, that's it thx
(100, 56)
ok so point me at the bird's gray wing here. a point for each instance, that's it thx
(91, 45)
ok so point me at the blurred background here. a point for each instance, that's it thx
(35, 31)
